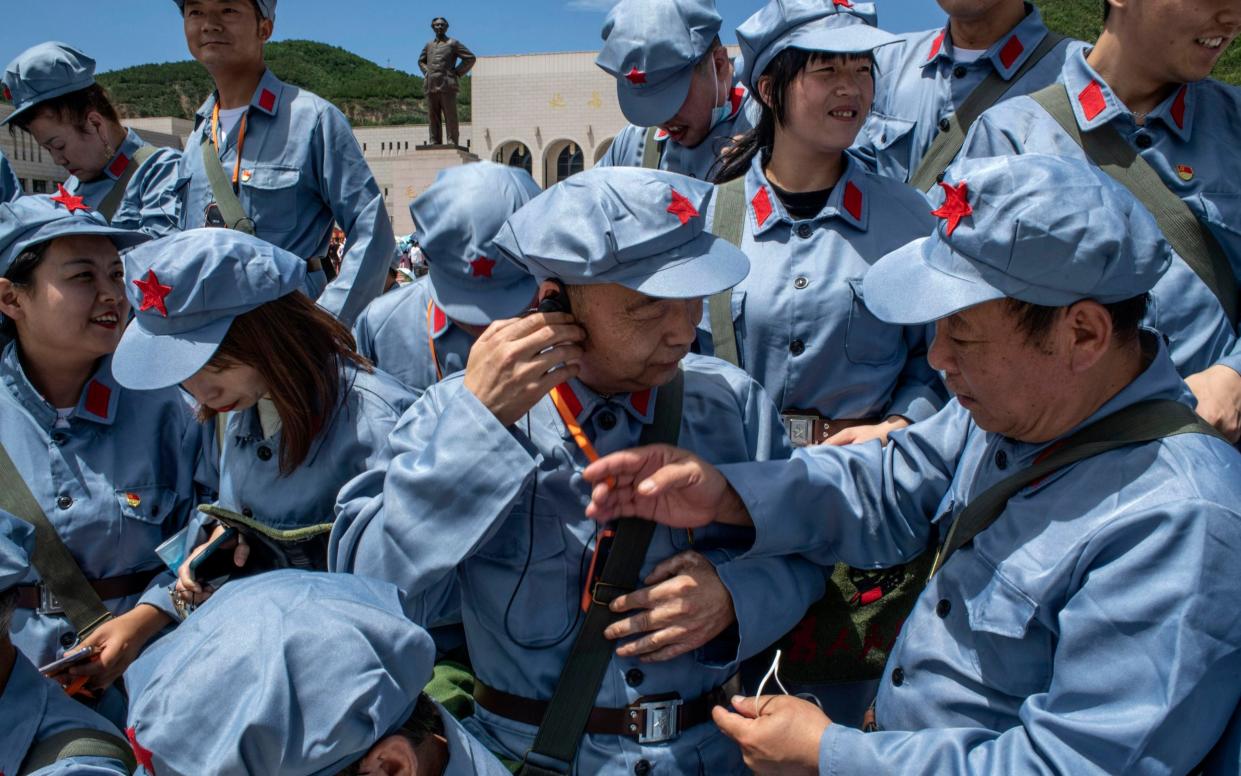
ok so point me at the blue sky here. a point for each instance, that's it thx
(120, 33)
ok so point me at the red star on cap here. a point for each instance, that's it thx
(636, 76)
(681, 207)
(141, 754)
(70, 202)
(956, 205)
(481, 267)
(153, 294)
(842, 3)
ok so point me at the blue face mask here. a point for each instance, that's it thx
(722, 112)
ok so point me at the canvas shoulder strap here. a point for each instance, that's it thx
(727, 223)
(948, 144)
(83, 742)
(113, 201)
(578, 686)
(1136, 424)
(651, 149)
(1193, 242)
(52, 559)
(222, 188)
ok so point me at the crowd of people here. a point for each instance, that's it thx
(871, 407)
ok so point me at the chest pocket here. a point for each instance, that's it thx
(706, 341)
(869, 340)
(1012, 649)
(887, 131)
(272, 197)
(147, 509)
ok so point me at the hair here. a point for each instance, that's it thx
(21, 273)
(423, 721)
(440, 19)
(1107, 10)
(8, 605)
(72, 108)
(1036, 321)
(299, 350)
(785, 68)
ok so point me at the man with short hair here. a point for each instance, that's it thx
(277, 161)
(676, 85)
(444, 61)
(1080, 615)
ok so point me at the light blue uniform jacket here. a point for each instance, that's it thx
(33, 708)
(1090, 629)
(502, 510)
(150, 200)
(1186, 136)
(919, 84)
(115, 484)
(10, 186)
(803, 329)
(301, 170)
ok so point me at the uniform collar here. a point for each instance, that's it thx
(23, 705)
(440, 322)
(583, 402)
(266, 97)
(848, 201)
(124, 156)
(97, 403)
(1006, 55)
(1095, 104)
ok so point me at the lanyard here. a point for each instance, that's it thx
(439, 374)
(570, 422)
(241, 139)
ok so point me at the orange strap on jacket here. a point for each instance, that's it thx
(241, 139)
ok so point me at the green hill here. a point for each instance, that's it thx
(367, 93)
(1083, 19)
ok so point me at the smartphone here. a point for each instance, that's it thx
(67, 661)
(215, 561)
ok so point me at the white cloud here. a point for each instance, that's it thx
(592, 5)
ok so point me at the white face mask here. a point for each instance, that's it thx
(721, 112)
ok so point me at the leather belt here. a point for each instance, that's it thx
(810, 428)
(314, 264)
(40, 598)
(649, 720)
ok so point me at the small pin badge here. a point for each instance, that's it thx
(246, 175)
(1185, 172)
(133, 500)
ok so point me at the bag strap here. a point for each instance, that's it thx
(52, 559)
(1193, 242)
(110, 203)
(1139, 423)
(222, 189)
(946, 145)
(81, 742)
(727, 223)
(569, 709)
(650, 150)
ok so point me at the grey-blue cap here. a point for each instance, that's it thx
(650, 47)
(43, 72)
(28, 221)
(317, 668)
(266, 7)
(836, 26)
(16, 547)
(458, 217)
(643, 229)
(1046, 230)
(186, 289)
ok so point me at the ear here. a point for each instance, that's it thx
(10, 300)
(97, 121)
(549, 287)
(391, 756)
(1088, 329)
(266, 28)
(764, 89)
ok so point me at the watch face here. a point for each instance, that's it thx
(215, 218)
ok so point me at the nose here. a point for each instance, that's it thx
(683, 325)
(940, 355)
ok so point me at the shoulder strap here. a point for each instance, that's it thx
(52, 559)
(569, 709)
(727, 223)
(948, 144)
(222, 188)
(650, 150)
(82, 742)
(113, 201)
(1139, 423)
(1192, 241)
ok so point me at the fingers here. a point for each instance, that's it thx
(241, 553)
(671, 567)
(731, 724)
(842, 438)
(626, 464)
(630, 626)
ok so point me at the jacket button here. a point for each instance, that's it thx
(68, 639)
(642, 768)
(804, 230)
(800, 282)
(634, 677)
(1001, 459)
(939, 178)
(1144, 141)
(958, 71)
(60, 439)
(944, 125)
(797, 347)
(64, 502)
(607, 421)
(898, 677)
(264, 453)
(247, 511)
(943, 608)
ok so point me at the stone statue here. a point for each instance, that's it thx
(439, 64)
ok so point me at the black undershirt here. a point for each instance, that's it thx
(802, 204)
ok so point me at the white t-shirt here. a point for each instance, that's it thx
(964, 56)
(62, 416)
(228, 122)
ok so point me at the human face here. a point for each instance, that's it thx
(82, 152)
(74, 306)
(827, 104)
(225, 33)
(975, 10)
(633, 341)
(1179, 41)
(226, 388)
(708, 89)
(440, 27)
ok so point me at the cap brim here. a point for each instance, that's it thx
(922, 282)
(651, 106)
(145, 361)
(73, 227)
(476, 307)
(857, 38)
(703, 266)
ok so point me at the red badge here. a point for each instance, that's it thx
(98, 397)
(7, 94)
(1092, 100)
(1011, 50)
(682, 208)
(481, 267)
(853, 201)
(1178, 108)
(1185, 172)
(70, 202)
(118, 166)
(267, 100)
(153, 294)
(762, 206)
(842, 3)
(142, 755)
(936, 45)
(636, 76)
(956, 205)
(133, 500)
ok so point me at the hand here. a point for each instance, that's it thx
(117, 643)
(1218, 389)
(859, 434)
(664, 484)
(776, 733)
(511, 364)
(192, 590)
(684, 606)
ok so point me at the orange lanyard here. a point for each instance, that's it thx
(439, 374)
(570, 422)
(241, 139)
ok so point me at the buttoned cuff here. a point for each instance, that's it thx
(157, 595)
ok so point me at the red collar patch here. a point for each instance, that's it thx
(267, 100)
(853, 201)
(937, 44)
(762, 206)
(7, 94)
(141, 754)
(635, 76)
(738, 96)
(153, 294)
(439, 320)
(1010, 52)
(956, 205)
(682, 208)
(1092, 100)
(98, 396)
(1178, 108)
(68, 201)
(641, 401)
(481, 267)
(118, 166)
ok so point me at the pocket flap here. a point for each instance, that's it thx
(1001, 608)
(273, 177)
(148, 503)
(884, 131)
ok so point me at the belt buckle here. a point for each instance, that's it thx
(800, 429)
(661, 722)
(47, 602)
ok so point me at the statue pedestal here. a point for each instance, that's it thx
(413, 173)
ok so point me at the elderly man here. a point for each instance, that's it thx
(483, 484)
(1080, 615)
